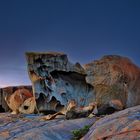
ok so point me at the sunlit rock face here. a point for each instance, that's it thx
(56, 81)
(114, 78)
(7, 92)
(113, 82)
(123, 125)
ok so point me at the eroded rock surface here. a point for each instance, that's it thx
(56, 81)
(18, 127)
(123, 125)
(8, 91)
(113, 81)
(114, 78)
(17, 98)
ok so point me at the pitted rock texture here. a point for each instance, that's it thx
(15, 100)
(8, 91)
(56, 81)
(123, 125)
(113, 82)
(114, 78)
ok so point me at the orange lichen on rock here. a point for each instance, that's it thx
(28, 106)
(16, 99)
(114, 78)
(122, 125)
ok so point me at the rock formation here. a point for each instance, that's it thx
(28, 106)
(8, 91)
(56, 81)
(74, 112)
(123, 125)
(116, 82)
(113, 80)
(16, 100)
(30, 127)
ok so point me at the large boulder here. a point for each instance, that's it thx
(18, 98)
(7, 92)
(113, 82)
(123, 125)
(55, 81)
(116, 82)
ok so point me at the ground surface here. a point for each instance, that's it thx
(13, 127)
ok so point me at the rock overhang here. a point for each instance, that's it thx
(56, 80)
(106, 80)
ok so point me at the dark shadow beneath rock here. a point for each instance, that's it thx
(106, 110)
(1, 109)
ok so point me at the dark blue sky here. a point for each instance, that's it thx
(84, 29)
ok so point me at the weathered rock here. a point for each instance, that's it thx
(7, 91)
(74, 112)
(28, 106)
(123, 125)
(16, 99)
(17, 127)
(55, 81)
(114, 78)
